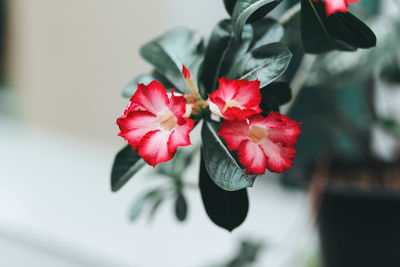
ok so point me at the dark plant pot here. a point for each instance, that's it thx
(359, 228)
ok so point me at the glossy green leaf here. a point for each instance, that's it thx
(130, 89)
(226, 209)
(257, 15)
(341, 31)
(245, 8)
(218, 46)
(181, 207)
(221, 165)
(265, 63)
(274, 95)
(224, 50)
(126, 163)
(168, 52)
(266, 31)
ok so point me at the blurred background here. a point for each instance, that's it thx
(63, 67)
(66, 63)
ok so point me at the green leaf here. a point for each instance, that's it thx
(138, 206)
(274, 95)
(168, 52)
(226, 209)
(222, 167)
(217, 49)
(126, 163)
(341, 31)
(266, 31)
(180, 207)
(245, 8)
(257, 15)
(224, 50)
(265, 63)
(130, 89)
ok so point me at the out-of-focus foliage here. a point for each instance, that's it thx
(246, 254)
(345, 68)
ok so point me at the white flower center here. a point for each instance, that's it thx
(256, 134)
(231, 104)
(167, 120)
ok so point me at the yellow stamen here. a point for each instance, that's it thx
(257, 133)
(231, 104)
(167, 120)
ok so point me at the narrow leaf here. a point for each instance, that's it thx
(138, 206)
(265, 63)
(222, 167)
(126, 163)
(340, 31)
(245, 8)
(266, 31)
(226, 209)
(180, 207)
(168, 52)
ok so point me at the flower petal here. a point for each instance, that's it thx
(234, 133)
(177, 104)
(135, 125)
(237, 99)
(180, 135)
(152, 97)
(279, 157)
(333, 6)
(235, 113)
(280, 127)
(249, 94)
(153, 147)
(252, 157)
(227, 90)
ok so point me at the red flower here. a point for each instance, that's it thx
(236, 99)
(263, 143)
(154, 123)
(333, 6)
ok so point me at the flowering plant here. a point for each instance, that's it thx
(230, 87)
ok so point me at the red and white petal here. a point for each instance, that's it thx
(135, 125)
(153, 147)
(227, 90)
(279, 157)
(249, 94)
(177, 104)
(252, 157)
(235, 113)
(180, 135)
(234, 133)
(333, 6)
(219, 103)
(152, 97)
(280, 127)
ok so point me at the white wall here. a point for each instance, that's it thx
(70, 59)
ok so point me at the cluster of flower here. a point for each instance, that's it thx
(156, 123)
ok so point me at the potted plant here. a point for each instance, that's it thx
(233, 85)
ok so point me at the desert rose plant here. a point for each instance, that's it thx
(232, 88)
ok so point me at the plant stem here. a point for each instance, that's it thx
(299, 79)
